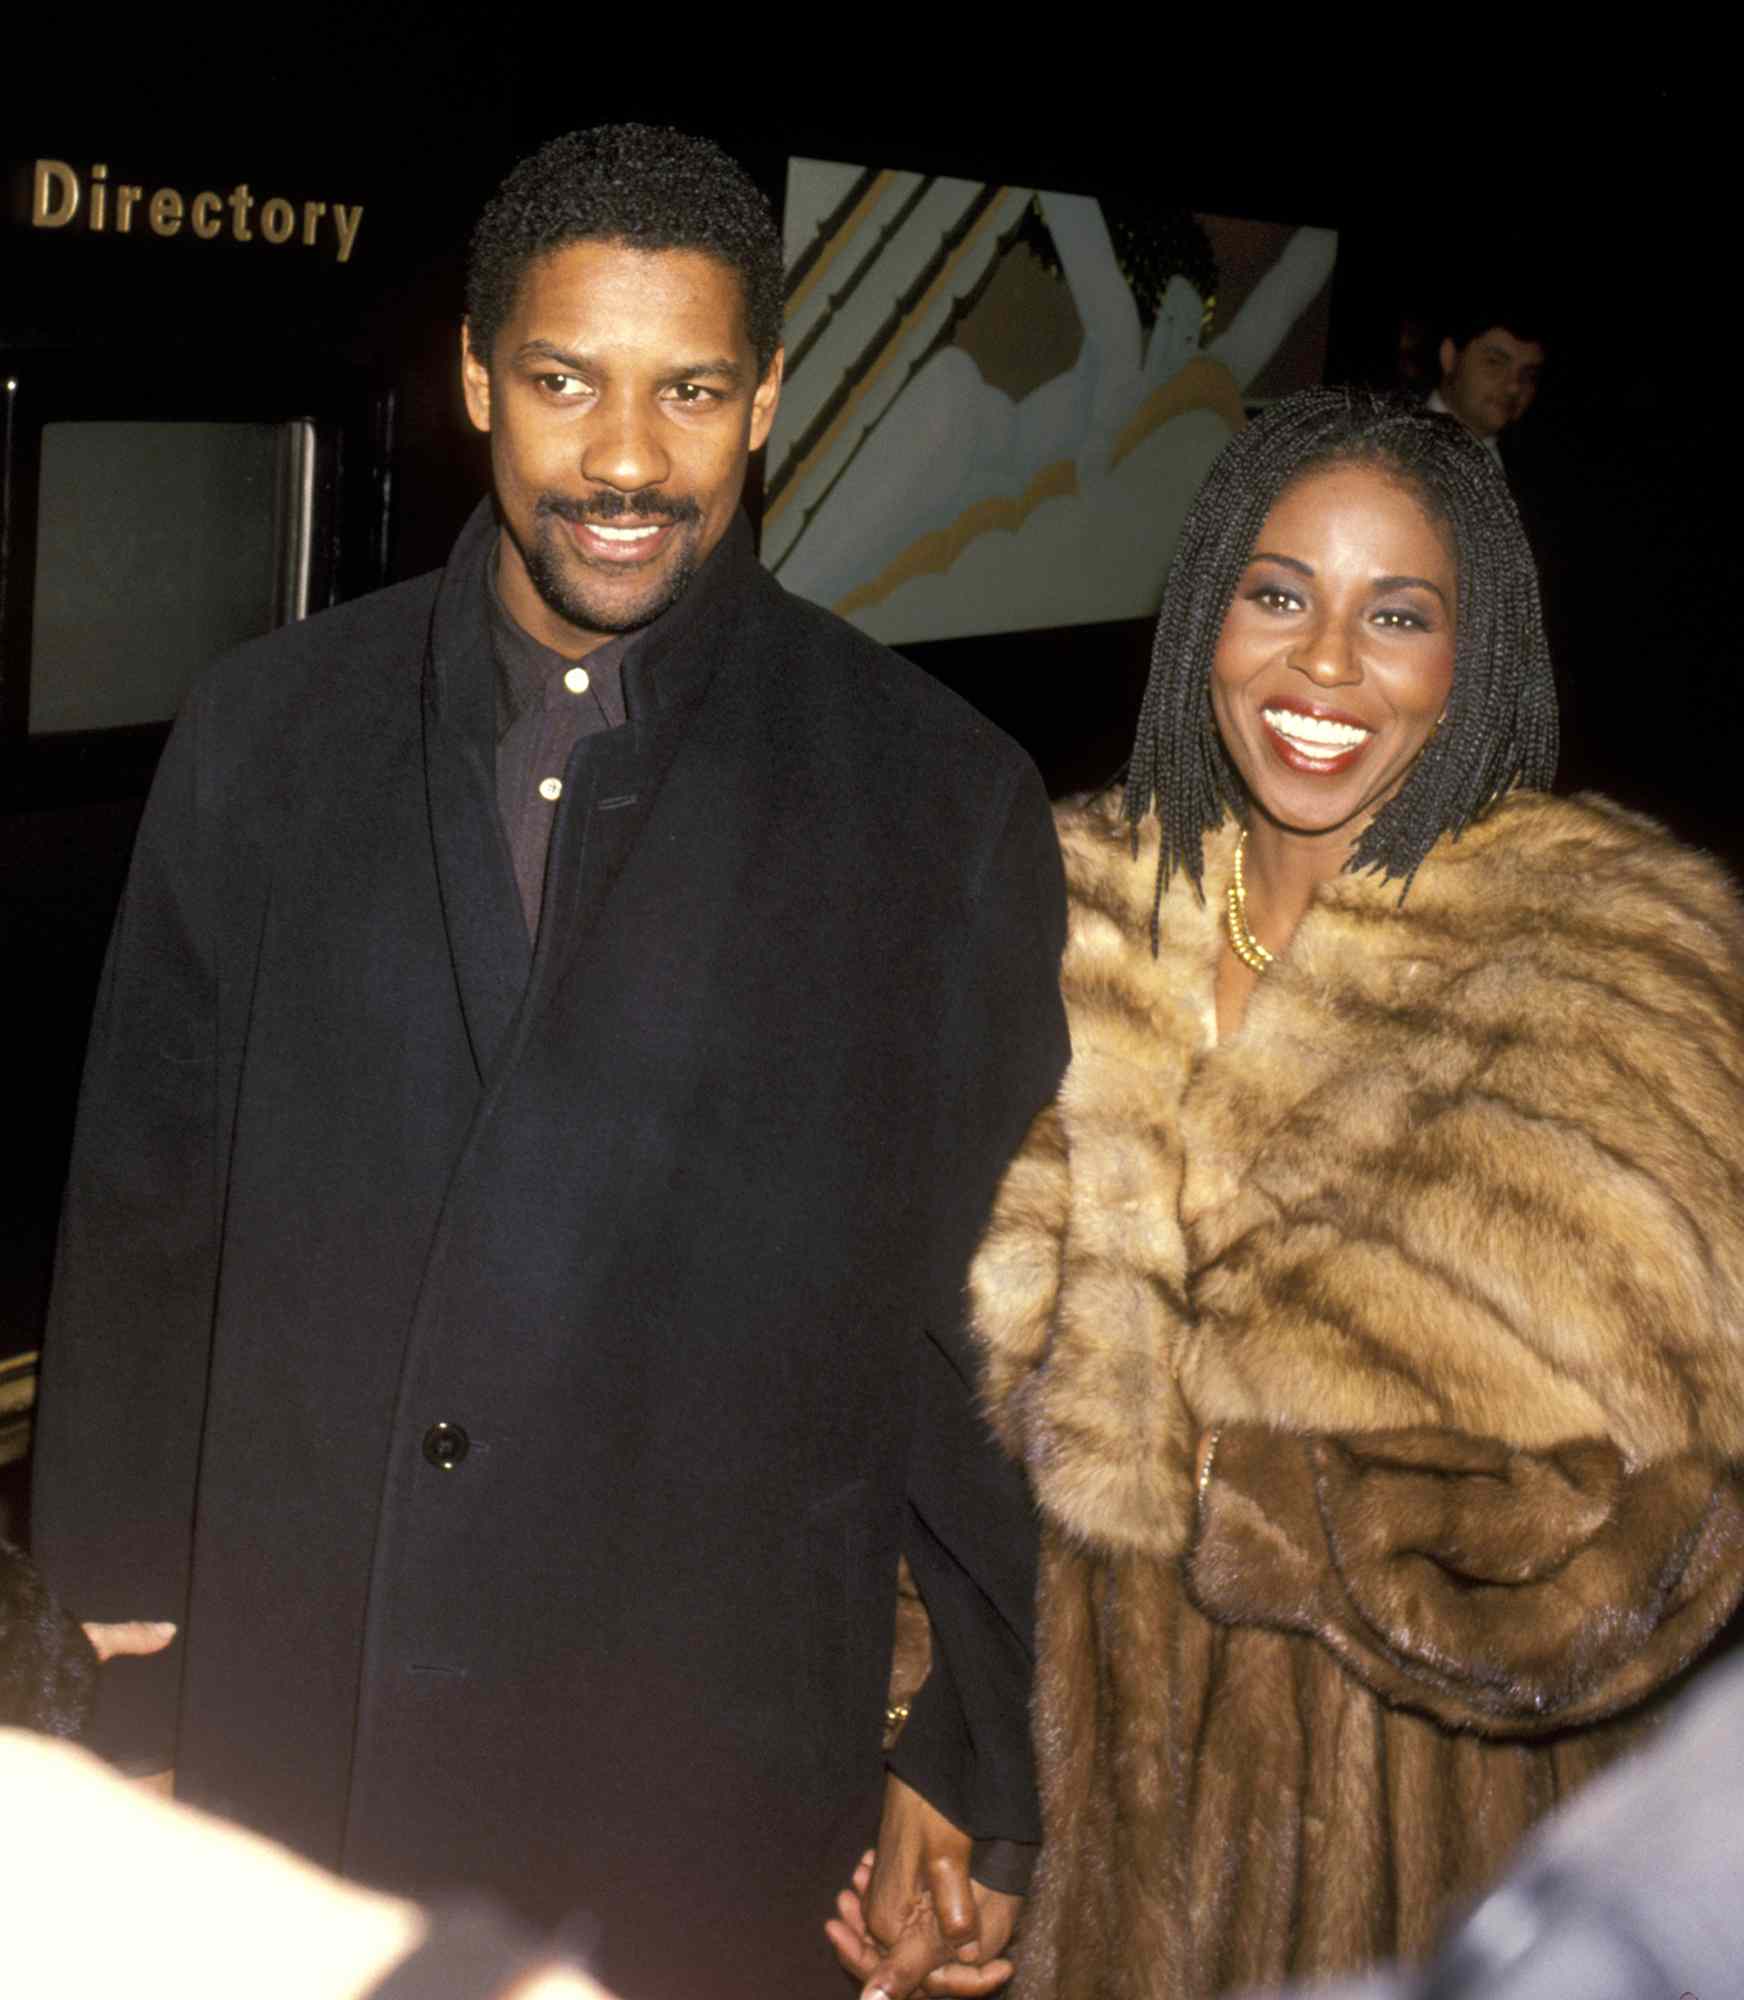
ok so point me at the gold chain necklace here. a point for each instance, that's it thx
(1242, 941)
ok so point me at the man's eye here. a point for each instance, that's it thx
(565, 387)
(692, 393)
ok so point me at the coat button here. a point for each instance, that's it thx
(445, 1445)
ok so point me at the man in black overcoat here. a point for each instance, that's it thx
(563, 1028)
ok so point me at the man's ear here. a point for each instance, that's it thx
(475, 381)
(1449, 357)
(765, 399)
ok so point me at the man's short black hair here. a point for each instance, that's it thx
(1513, 312)
(642, 185)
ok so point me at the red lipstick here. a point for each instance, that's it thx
(1312, 757)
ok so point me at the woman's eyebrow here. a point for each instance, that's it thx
(1410, 583)
(1289, 562)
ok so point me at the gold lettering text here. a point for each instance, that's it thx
(346, 220)
(56, 198)
(59, 191)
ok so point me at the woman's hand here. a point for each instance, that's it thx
(912, 1920)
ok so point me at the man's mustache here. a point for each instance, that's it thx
(644, 505)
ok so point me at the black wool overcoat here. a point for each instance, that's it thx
(667, 1219)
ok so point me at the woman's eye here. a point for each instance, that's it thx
(1401, 620)
(1271, 598)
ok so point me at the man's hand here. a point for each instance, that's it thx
(913, 1921)
(137, 1636)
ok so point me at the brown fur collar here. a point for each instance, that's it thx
(1476, 1162)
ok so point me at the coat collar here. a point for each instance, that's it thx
(665, 665)
(487, 934)
(1470, 1162)
(668, 670)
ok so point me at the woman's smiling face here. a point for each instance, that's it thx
(1336, 656)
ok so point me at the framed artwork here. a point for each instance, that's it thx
(1000, 400)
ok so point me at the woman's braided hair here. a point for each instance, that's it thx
(1499, 729)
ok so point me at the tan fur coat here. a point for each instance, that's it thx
(1445, 1244)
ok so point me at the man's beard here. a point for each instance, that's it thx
(563, 585)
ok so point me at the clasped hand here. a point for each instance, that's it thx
(912, 1920)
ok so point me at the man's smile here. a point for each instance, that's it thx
(623, 542)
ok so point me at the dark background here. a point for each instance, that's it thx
(1605, 187)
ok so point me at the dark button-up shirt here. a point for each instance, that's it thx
(546, 703)
(592, 741)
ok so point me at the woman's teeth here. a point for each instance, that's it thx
(1317, 730)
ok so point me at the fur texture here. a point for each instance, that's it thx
(1443, 1243)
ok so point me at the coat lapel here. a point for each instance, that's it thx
(672, 734)
(487, 935)
(646, 958)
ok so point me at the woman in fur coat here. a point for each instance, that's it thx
(1369, 1308)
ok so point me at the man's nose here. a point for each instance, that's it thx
(623, 448)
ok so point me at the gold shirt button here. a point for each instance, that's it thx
(576, 680)
(551, 788)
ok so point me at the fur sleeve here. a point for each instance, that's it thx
(1078, 1294)
(1015, 1279)
(1507, 1592)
